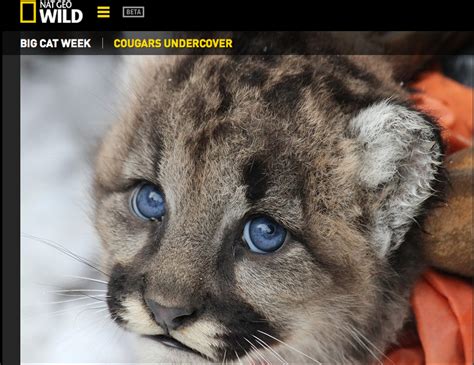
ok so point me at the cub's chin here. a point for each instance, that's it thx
(149, 350)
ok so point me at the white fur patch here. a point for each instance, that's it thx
(399, 152)
(137, 317)
(201, 335)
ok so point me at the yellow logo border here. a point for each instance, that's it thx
(34, 11)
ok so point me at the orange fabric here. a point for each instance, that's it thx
(450, 102)
(443, 308)
(442, 304)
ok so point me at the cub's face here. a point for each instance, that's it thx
(257, 208)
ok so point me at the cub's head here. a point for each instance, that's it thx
(263, 208)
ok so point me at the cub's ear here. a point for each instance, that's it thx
(399, 152)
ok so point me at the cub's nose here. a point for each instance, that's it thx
(169, 318)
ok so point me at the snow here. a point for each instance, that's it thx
(66, 105)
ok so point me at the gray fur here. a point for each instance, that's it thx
(347, 193)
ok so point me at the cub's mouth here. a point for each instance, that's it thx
(171, 342)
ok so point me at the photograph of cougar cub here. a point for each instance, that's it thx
(265, 209)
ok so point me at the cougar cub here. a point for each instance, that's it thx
(265, 209)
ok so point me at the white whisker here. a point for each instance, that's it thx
(268, 347)
(69, 300)
(246, 352)
(101, 310)
(67, 252)
(290, 347)
(360, 342)
(86, 278)
(82, 295)
(362, 337)
(72, 308)
(76, 290)
(238, 357)
(257, 352)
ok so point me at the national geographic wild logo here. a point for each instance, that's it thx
(49, 11)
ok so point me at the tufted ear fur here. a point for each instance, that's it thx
(400, 156)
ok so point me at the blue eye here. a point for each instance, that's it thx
(264, 235)
(147, 202)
